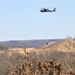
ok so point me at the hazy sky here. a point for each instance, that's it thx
(21, 19)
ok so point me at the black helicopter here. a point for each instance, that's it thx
(47, 10)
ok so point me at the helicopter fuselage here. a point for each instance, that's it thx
(47, 10)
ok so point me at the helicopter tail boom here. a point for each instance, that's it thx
(54, 9)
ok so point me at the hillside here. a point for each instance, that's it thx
(64, 44)
(62, 50)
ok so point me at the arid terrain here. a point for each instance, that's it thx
(62, 51)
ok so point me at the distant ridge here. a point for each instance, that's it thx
(26, 43)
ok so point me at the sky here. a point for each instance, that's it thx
(21, 19)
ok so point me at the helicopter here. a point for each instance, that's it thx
(43, 10)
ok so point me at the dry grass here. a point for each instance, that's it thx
(9, 60)
(52, 65)
(29, 67)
